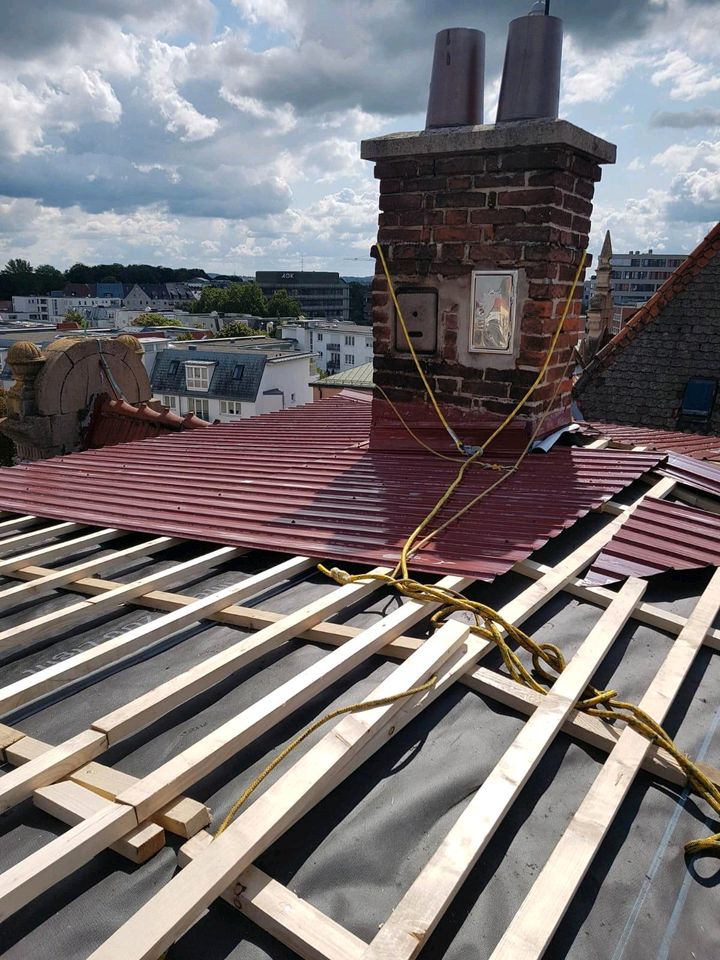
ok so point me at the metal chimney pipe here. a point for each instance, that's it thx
(530, 88)
(457, 85)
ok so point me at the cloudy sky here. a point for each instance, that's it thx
(225, 133)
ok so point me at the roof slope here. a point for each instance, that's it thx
(641, 375)
(168, 374)
(304, 480)
(360, 377)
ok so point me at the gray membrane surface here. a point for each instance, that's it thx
(356, 853)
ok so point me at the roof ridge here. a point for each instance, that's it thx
(649, 311)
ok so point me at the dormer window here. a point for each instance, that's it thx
(197, 376)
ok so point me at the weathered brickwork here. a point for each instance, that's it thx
(645, 382)
(442, 217)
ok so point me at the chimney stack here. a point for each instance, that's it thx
(483, 228)
(457, 85)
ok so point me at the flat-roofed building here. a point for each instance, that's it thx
(324, 295)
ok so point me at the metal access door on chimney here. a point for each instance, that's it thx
(419, 307)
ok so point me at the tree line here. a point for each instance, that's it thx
(19, 277)
(247, 298)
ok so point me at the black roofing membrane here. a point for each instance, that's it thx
(356, 853)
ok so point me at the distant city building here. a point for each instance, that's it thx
(321, 295)
(102, 303)
(337, 346)
(636, 276)
(231, 379)
(356, 378)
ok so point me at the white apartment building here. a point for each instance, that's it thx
(337, 345)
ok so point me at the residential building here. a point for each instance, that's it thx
(323, 295)
(636, 276)
(662, 369)
(340, 346)
(232, 379)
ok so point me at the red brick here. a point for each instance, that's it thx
(552, 178)
(450, 321)
(417, 217)
(498, 253)
(587, 169)
(581, 224)
(392, 185)
(516, 215)
(461, 199)
(554, 215)
(491, 181)
(529, 233)
(584, 188)
(487, 388)
(459, 183)
(455, 217)
(531, 197)
(396, 234)
(388, 219)
(425, 184)
(401, 201)
(404, 167)
(577, 204)
(464, 234)
(453, 251)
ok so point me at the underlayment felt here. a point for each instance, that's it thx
(357, 851)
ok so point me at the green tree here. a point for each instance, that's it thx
(245, 298)
(18, 265)
(156, 320)
(281, 304)
(74, 316)
(79, 273)
(211, 299)
(235, 329)
(49, 276)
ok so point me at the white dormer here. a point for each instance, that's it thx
(198, 374)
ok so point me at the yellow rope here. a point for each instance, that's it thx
(490, 625)
(352, 708)
(421, 372)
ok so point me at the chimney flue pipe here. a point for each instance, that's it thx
(457, 86)
(530, 88)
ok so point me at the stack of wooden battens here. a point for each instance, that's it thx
(107, 808)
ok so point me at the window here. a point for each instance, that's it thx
(173, 368)
(349, 341)
(170, 402)
(231, 408)
(333, 360)
(199, 407)
(350, 359)
(197, 377)
(319, 337)
(238, 371)
(699, 397)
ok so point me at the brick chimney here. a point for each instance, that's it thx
(483, 228)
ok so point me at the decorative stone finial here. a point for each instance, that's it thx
(132, 343)
(22, 352)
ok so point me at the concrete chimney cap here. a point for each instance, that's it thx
(23, 351)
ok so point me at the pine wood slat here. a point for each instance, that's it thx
(169, 913)
(87, 661)
(34, 536)
(61, 620)
(17, 523)
(182, 816)
(303, 928)
(537, 919)
(18, 784)
(20, 592)
(71, 803)
(416, 916)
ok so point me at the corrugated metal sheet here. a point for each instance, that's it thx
(703, 476)
(304, 481)
(658, 537)
(691, 444)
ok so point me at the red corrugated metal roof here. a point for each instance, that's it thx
(658, 537)
(692, 444)
(304, 481)
(701, 475)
